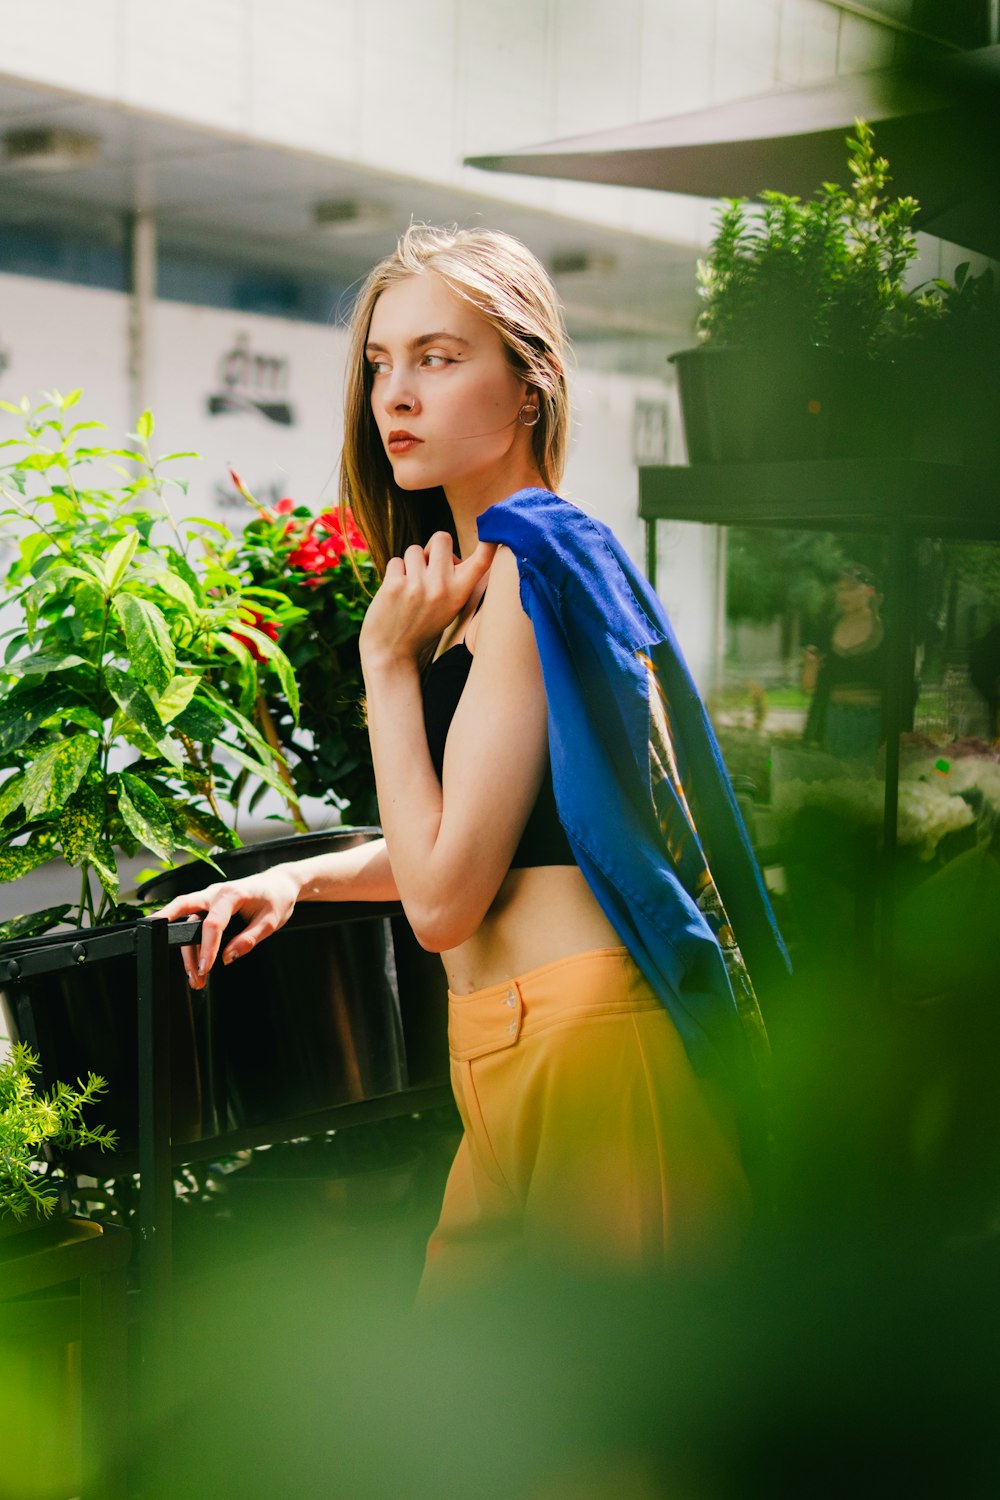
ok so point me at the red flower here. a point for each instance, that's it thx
(266, 627)
(285, 505)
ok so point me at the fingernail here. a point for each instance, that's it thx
(201, 966)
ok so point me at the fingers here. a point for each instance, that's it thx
(218, 905)
(262, 926)
(475, 565)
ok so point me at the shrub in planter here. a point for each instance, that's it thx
(128, 681)
(801, 298)
(127, 697)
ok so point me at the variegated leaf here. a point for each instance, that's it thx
(81, 822)
(55, 773)
(136, 704)
(176, 696)
(145, 815)
(151, 651)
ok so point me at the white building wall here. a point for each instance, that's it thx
(412, 86)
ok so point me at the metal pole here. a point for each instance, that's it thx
(142, 289)
(901, 587)
(651, 553)
(156, 1180)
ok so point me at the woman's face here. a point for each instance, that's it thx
(853, 594)
(444, 397)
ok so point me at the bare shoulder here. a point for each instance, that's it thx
(502, 619)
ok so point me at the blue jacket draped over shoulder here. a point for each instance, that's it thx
(640, 785)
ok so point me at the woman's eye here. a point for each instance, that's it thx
(437, 359)
(377, 366)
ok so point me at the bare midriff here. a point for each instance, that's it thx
(540, 915)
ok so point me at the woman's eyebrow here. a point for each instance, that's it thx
(421, 340)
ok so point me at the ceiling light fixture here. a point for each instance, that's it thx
(352, 216)
(582, 263)
(50, 149)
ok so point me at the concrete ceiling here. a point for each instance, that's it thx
(249, 204)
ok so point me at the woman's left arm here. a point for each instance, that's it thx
(451, 841)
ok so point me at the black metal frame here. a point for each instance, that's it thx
(901, 499)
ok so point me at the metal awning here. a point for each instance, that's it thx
(939, 129)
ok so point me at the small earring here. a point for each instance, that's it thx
(529, 415)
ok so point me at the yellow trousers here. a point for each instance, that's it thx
(588, 1138)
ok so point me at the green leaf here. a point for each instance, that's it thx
(276, 658)
(41, 664)
(151, 651)
(102, 860)
(81, 822)
(136, 704)
(38, 461)
(165, 458)
(248, 730)
(23, 712)
(84, 718)
(200, 722)
(34, 924)
(55, 774)
(176, 696)
(171, 584)
(144, 426)
(30, 546)
(118, 560)
(206, 826)
(145, 814)
(10, 794)
(21, 859)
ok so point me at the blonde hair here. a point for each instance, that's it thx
(512, 290)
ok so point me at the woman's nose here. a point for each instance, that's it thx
(398, 394)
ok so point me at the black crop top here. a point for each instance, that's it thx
(543, 841)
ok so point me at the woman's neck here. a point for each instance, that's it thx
(467, 505)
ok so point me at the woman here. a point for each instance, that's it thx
(848, 680)
(588, 1134)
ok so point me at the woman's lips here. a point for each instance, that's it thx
(402, 442)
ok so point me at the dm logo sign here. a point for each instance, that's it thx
(251, 382)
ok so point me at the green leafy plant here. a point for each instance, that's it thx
(320, 564)
(131, 669)
(33, 1121)
(825, 271)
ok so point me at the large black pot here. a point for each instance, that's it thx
(762, 405)
(328, 1010)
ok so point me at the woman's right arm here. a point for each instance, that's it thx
(266, 901)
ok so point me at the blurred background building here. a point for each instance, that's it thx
(189, 193)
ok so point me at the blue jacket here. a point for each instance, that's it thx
(639, 782)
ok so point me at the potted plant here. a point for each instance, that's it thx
(140, 668)
(132, 717)
(131, 669)
(801, 300)
(34, 1124)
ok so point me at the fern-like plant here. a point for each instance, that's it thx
(824, 271)
(30, 1122)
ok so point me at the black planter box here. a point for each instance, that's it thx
(329, 1011)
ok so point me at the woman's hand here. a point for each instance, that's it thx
(421, 594)
(266, 901)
